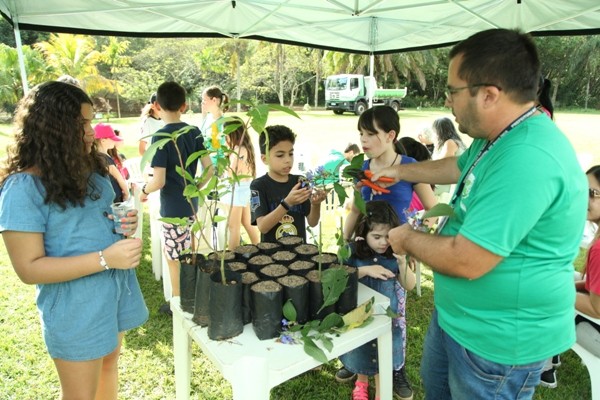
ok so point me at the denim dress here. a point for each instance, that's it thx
(363, 360)
(81, 318)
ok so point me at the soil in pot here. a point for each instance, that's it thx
(301, 267)
(272, 272)
(316, 297)
(248, 279)
(225, 305)
(257, 262)
(245, 252)
(236, 266)
(326, 260)
(289, 242)
(306, 251)
(267, 309)
(216, 256)
(284, 257)
(201, 306)
(295, 288)
(349, 298)
(269, 247)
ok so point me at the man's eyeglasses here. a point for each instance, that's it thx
(450, 91)
(594, 193)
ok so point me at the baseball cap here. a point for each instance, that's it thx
(105, 131)
(152, 98)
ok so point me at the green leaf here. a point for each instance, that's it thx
(151, 150)
(289, 311)
(330, 321)
(390, 313)
(219, 218)
(334, 281)
(327, 343)
(359, 202)
(285, 109)
(315, 352)
(340, 191)
(258, 117)
(439, 210)
(175, 221)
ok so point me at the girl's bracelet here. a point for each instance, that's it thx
(103, 261)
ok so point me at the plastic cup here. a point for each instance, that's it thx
(120, 210)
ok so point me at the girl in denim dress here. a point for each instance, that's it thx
(380, 270)
(55, 199)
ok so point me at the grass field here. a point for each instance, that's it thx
(146, 366)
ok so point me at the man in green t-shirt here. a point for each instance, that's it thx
(502, 263)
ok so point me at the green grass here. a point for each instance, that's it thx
(146, 365)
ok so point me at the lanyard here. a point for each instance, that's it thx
(487, 148)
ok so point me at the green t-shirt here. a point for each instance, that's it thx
(526, 201)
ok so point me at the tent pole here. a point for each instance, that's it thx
(372, 80)
(21, 57)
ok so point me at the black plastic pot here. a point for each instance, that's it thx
(349, 298)
(295, 288)
(301, 267)
(248, 279)
(245, 252)
(289, 242)
(201, 305)
(267, 309)
(306, 251)
(257, 262)
(284, 257)
(187, 281)
(315, 296)
(225, 313)
(269, 248)
(326, 260)
(272, 272)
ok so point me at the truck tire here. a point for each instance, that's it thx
(395, 105)
(338, 112)
(360, 107)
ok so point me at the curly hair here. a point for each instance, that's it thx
(377, 212)
(49, 138)
(238, 138)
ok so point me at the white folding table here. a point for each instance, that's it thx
(270, 362)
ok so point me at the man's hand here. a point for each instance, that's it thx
(397, 236)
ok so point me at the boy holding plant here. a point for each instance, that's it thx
(281, 201)
(170, 98)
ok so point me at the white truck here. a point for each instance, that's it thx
(351, 92)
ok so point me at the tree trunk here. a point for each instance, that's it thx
(118, 103)
(587, 92)
(238, 75)
(318, 76)
(280, 72)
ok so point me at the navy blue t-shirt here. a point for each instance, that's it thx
(172, 201)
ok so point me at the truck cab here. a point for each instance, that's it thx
(351, 92)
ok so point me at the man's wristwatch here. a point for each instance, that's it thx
(144, 190)
(285, 205)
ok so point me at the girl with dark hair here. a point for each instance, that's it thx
(151, 122)
(242, 164)
(214, 105)
(587, 285)
(447, 143)
(54, 200)
(380, 270)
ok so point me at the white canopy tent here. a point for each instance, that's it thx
(358, 26)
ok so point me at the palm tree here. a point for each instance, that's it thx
(74, 55)
(113, 56)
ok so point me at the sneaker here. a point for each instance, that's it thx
(548, 379)
(361, 391)
(402, 388)
(166, 309)
(343, 375)
(556, 361)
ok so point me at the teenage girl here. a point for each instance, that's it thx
(242, 164)
(55, 195)
(379, 127)
(151, 122)
(106, 140)
(118, 157)
(447, 141)
(381, 271)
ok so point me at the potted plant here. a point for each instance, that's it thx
(225, 286)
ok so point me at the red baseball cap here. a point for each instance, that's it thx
(105, 131)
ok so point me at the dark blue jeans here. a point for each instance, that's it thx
(450, 371)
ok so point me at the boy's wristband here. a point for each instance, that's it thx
(285, 205)
(144, 190)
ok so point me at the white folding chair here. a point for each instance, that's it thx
(591, 361)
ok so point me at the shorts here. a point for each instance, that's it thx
(177, 239)
(241, 195)
(81, 319)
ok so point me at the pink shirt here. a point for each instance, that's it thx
(592, 271)
(415, 203)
